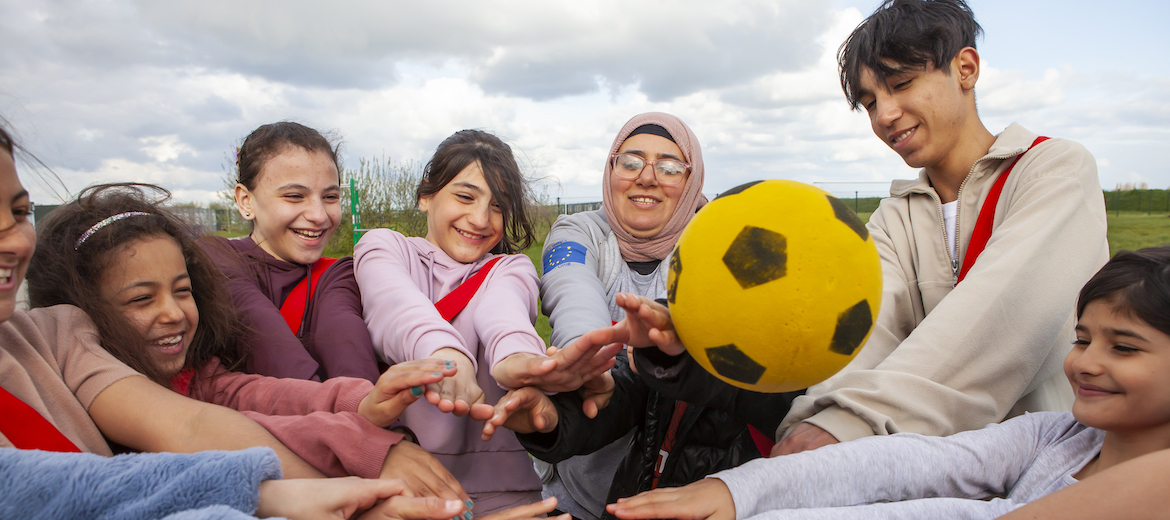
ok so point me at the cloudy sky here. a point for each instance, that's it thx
(162, 91)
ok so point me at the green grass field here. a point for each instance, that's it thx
(1127, 230)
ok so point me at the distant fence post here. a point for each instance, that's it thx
(355, 209)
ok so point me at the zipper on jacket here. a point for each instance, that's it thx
(959, 195)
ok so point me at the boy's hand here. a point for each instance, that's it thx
(804, 437)
(706, 499)
(647, 323)
(523, 410)
(398, 387)
(597, 393)
(561, 370)
(423, 474)
(459, 394)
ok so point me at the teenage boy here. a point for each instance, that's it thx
(964, 338)
(968, 333)
(982, 255)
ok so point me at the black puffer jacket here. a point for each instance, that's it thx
(708, 439)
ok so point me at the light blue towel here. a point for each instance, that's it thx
(207, 485)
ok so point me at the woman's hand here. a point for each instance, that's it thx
(561, 370)
(459, 394)
(399, 387)
(647, 323)
(524, 410)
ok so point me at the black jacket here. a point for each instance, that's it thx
(709, 438)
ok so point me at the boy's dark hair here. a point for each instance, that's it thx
(1136, 283)
(5, 139)
(503, 177)
(905, 34)
(65, 272)
(269, 140)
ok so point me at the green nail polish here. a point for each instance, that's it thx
(469, 504)
(416, 391)
(468, 516)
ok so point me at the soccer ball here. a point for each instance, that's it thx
(774, 286)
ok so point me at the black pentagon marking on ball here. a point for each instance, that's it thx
(846, 215)
(852, 326)
(730, 362)
(676, 270)
(737, 189)
(757, 256)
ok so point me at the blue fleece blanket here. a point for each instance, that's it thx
(207, 485)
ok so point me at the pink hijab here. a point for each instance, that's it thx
(657, 247)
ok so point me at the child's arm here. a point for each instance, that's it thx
(273, 348)
(403, 322)
(338, 337)
(141, 415)
(896, 476)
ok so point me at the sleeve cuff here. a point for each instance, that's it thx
(840, 423)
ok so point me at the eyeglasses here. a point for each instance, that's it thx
(668, 171)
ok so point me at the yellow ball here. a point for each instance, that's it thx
(774, 286)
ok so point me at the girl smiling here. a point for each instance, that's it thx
(288, 187)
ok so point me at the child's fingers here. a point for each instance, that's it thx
(481, 411)
(667, 342)
(408, 507)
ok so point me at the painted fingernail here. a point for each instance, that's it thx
(468, 516)
(469, 504)
(437, 373)
(416, 391)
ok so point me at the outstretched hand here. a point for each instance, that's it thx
(534, 511)
(523, 410)
(423, 474)
(647, 323)
(705, 499)
(336, 498)
(564, 369)
(459, 394)
(399, 387)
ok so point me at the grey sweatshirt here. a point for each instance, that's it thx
(981, 473)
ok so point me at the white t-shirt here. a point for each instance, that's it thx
(950, 221)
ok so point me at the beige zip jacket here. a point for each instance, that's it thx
(944, 359)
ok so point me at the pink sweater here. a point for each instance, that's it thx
(401, 279)
(317, 421)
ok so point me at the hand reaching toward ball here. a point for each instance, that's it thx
(647, 324)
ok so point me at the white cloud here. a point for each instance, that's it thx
(149, 91)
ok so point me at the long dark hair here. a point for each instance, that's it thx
(503, 177)
(62, 271)
(1135, 282)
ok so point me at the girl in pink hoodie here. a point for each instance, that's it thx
(478, 219)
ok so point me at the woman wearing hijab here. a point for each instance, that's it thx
(652, 187)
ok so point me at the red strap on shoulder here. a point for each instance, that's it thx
(294, 306)
(454, 302)
(982, 231)
(27, 430)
